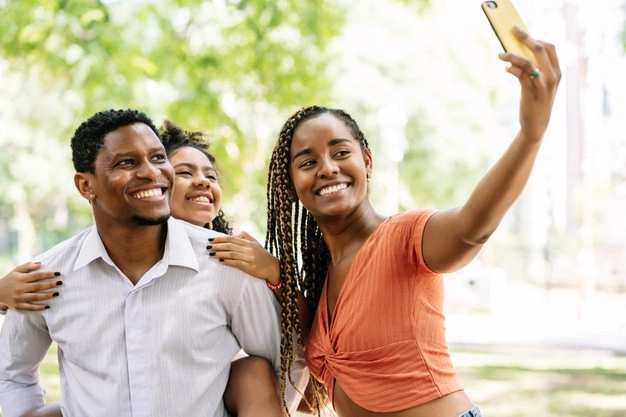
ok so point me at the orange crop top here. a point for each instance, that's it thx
(386, 343)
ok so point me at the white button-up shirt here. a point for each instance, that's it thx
(161, 347)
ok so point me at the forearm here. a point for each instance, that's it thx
(497, 191)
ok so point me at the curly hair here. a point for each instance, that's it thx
(88, 138)
(174, 138)
(295, 238)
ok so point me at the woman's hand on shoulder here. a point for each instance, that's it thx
(25, 285)
(244, 252)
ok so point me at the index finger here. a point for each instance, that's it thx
(27, 267)
(537, 48)
(223, 239)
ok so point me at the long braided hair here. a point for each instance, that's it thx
(294, 237)
(175, 137)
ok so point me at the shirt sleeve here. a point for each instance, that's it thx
(418, 220)
(24, 342)
(256, 324)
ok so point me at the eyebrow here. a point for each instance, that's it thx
(191, 166)
(331, 142)
(125, 153)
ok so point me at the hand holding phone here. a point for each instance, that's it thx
(502, 16)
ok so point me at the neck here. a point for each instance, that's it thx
(134, 249)
(345, 236)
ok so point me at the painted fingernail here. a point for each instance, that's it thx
(37, 263)
(209, 246)
(59, 282)
(57, 274)
(47, 307)
(56, 294)
(211, 253)
(210, 239)
(221, 259)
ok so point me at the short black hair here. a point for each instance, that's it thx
(89, 137)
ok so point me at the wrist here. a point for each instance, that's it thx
(273, 279)
(273, 286)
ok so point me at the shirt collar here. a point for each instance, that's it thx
(91, 249)
(178, 248)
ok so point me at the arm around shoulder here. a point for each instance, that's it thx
(453, 237)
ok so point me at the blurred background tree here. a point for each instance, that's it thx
(234, 69)
(421, 77)
(221, 67)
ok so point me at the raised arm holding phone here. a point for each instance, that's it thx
(373, 283)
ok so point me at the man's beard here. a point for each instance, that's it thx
(147, 221)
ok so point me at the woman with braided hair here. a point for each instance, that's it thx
(374, 283)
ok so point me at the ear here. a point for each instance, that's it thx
(369, 162)
(83, 182)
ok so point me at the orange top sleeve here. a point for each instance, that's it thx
(385, 344)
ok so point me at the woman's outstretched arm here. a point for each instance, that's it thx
(453, 237)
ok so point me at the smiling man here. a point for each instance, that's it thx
(147, 323)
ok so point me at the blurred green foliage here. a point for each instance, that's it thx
(218, 66)
(175, 59)
(234, 69)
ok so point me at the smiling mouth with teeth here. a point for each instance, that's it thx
(332, 190)
(155, 192)
(200, 199)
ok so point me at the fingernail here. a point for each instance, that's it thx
(210, 239)
(211, 253)
(57, 274)
(47, 307)
(59, 282)
(209, 246)
(221, 259)
(37, 263)
(56, 294)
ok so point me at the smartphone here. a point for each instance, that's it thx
(502, 16)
